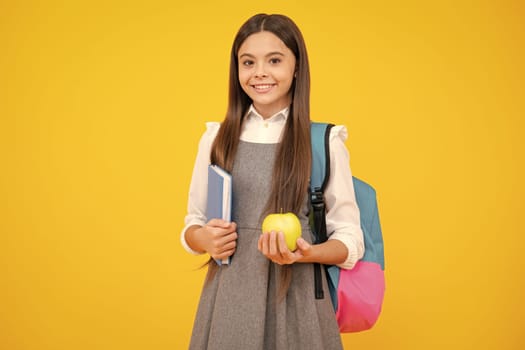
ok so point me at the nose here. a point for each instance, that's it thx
(260, 74)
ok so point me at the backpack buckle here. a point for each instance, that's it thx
(317, 198)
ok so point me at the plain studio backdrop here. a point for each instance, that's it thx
(102, 105)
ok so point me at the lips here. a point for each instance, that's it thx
(263, 87)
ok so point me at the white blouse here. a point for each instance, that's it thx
(342, 216)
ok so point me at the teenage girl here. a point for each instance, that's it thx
(264, 299)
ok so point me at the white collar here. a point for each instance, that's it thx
(281, 115)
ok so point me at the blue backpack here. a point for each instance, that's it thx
(357, 294)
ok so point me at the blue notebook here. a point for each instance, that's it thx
(219, 203)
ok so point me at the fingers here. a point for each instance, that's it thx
(267, 244)
(273, 246)
(220, 249)
(261, 244)
(221, 240)
(219, 223)
(224, 251)
(281, 245)
(225, 242)
(217, 228)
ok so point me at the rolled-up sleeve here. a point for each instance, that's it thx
(197, 196)
(342, 217)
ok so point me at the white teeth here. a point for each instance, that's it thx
(262, 87)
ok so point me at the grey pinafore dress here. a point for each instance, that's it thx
(238, 309)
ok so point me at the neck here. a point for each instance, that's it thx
(268, 111)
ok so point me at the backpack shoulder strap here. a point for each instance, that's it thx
(320, 172)
(320, 139)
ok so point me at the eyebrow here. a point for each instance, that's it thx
(267, 55)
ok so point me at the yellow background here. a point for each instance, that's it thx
(101, 108)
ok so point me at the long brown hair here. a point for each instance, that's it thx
(293, 159)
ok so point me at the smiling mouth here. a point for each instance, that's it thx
(263, 87)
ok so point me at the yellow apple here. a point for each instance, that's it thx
(287, 223)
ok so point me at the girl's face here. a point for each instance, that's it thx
(266, 72)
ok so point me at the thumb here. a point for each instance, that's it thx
(303, 245)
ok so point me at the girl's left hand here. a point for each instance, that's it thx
(273, 246)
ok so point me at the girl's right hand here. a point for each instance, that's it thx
(219, 238)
